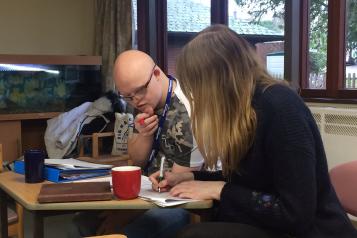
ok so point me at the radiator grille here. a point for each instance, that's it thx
(336, 121)
(338, 128)
(341, 130)
(341, 119)
(317, 118)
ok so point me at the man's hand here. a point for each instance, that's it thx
(198, 189)
(146, 124)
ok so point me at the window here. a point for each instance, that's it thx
(184, 19)
(317, 44)
(331, 40)
(351, 45)
(263, 27)
(318, 37)
(135, 23)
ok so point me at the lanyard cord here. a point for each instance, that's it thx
(156, 142)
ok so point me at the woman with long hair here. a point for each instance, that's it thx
(274, 180)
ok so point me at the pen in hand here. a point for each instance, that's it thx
(161, 176)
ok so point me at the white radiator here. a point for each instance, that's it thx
(338, 128)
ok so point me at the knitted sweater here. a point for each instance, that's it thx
(282, 183)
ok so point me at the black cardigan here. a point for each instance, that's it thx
(282, 183)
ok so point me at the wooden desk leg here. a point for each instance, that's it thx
(37, 224)
(3, 214)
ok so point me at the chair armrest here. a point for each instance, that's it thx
(103, 134)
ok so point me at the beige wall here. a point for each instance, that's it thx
(50, 27)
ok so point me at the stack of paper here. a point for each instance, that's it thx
(63, 170)
(75, 164)
(73, 169)
(163, 199)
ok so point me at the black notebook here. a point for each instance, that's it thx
(75, 192)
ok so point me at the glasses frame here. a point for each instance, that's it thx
(130, 98)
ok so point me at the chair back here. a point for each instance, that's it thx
(344, 180)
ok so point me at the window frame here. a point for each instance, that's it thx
(336, 63)
(152, 38)
(152, 26)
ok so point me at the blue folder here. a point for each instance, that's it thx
(58, 175)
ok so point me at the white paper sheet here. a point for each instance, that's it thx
(96, 179)
(75, 164)
(163, 199)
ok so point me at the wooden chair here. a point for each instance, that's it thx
(97, 156)
(343, 178)
(14, 219)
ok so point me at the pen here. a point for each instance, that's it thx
(161, 176)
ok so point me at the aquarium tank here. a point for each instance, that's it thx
(31, 88)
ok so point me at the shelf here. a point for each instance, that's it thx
(51, 59)
(28, 116)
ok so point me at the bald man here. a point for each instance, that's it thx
(144, 86)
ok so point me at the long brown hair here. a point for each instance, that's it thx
(218, 71)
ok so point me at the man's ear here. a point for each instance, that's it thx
(156, 72)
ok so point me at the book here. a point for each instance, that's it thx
(75, 192)
(60, 174)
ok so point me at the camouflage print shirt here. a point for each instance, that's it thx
(177, 143)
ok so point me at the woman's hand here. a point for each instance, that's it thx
(146, 124)
(170, 180)
(198, 190)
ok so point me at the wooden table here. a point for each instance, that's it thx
(13, 185)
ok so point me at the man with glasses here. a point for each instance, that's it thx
(161, 128)
(145, 87)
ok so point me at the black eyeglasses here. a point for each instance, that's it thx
(141, 91)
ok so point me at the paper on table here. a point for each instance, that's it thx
(96, 179)
(75, 164)
(163, 199)
(146, 193)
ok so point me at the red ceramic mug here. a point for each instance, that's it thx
(126, 181)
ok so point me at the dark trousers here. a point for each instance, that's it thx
(226, 230)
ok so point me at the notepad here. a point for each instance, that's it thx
(163, 199)
(75, 192)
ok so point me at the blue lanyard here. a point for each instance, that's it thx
(156, 142)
